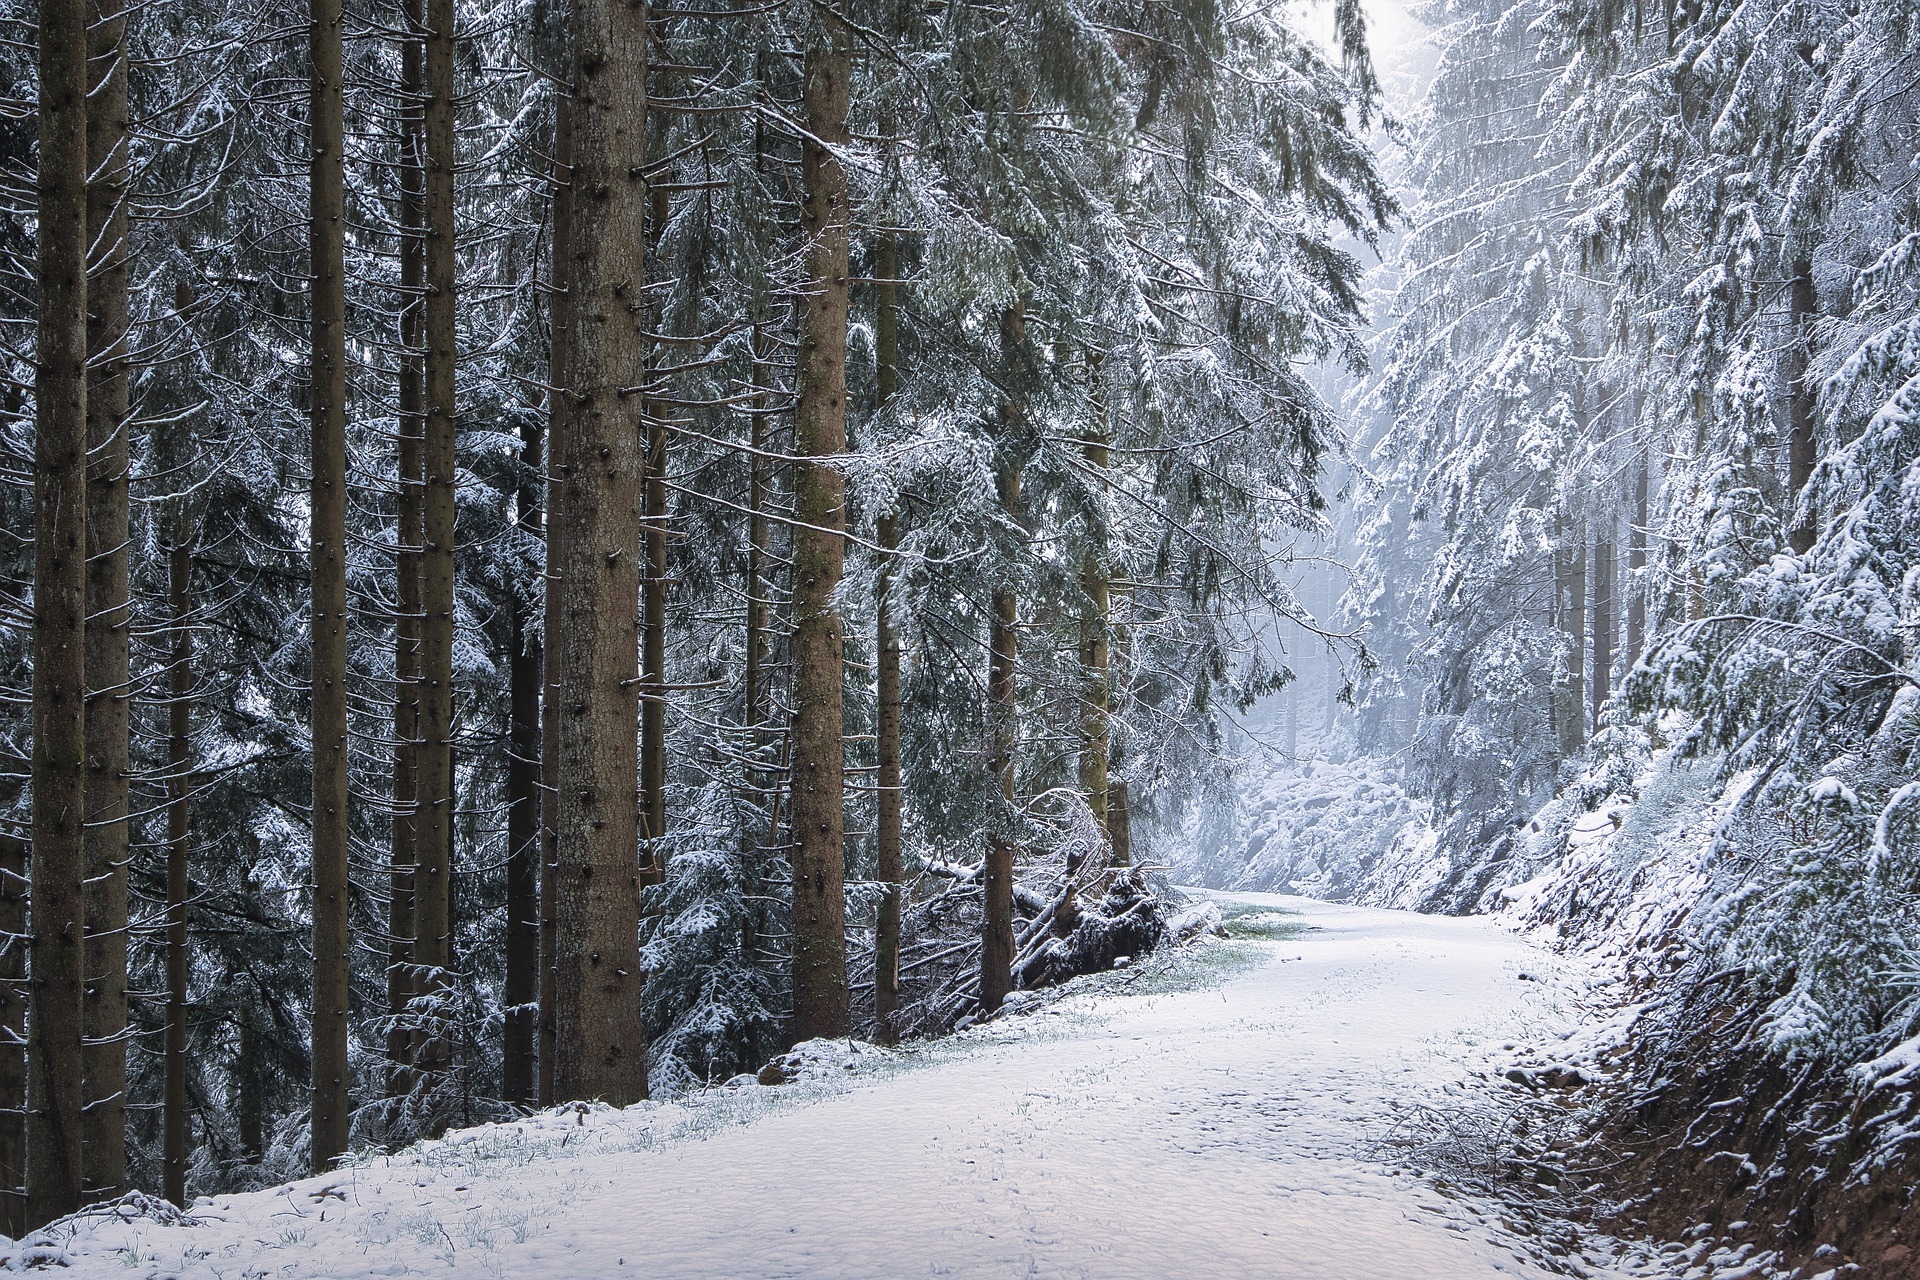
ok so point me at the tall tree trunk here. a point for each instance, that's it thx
(1119, 815)
(176, 1150)
(331, 1114)
(754, 695)
(1637, 563)
(1293, 718)
(653, 656)
(558, 328)
(1336, 676)
(13, 1017)
(1570, 594)
(1603, 621)
(104, 1124)
(55, 1020)
(886, 651)
(1119, 824)
(1096, 700)
(601, 1049)
(996, 951)
(653, 596)
(410, 509)
(1803, 402)
(521, 988)
(820, 1004)
(434, 872)
(249, 1110)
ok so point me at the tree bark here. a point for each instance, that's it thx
(1096, 700)
(754, 693)
(1119, 815)
(653, 596)
(558, 328)
(433, 864)
(104, 1123)
(59, 621)
(13, 1019)
(653, 658)
(1637, 563)
(176, 1148)
(820, 999)
(1803, 409)
(1603, 623)
(521, 988)
(1570, 593)
(601, 1047)
(886, 647)
(1119, 824)
(331, 1113)
(411, 532)
(996, 951)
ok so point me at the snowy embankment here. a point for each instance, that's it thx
(1299, 1105)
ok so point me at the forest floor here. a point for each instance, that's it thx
(1323, 1099)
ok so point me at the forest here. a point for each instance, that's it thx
(556, 552)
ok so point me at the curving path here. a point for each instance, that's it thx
(1228, 1132)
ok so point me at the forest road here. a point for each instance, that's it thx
(1234, 1131)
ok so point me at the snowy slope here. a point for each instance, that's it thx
(1251, 1127)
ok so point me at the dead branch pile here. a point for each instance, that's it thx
(1073, 914)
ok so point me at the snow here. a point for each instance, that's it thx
(1148, 1125)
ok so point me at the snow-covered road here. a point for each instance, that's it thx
(1228, 1131)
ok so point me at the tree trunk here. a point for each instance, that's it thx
(1603, 623)
(996, 951)
(1293, 718)
(13, 1019)
(521, 988)
(653, 595)
(558, 328)
(653, 656)
(176, 1150)
(820, 1004)
(1096, 701)
(601, 1049)
(410, 509)
(1119, 824)
(327, 226)
(886, 650)
(104, 1124)
(1637, 563)
(1571, 596)
(754, 694)
(1803, 407)
(433, 873)
(1119, 816)
(249, 1111)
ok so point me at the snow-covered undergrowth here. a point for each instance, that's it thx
(1760, 935)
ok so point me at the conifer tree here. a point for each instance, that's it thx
(600, 1046)
(109, 608)
(434, 804)
(820, 998)
(57, 976)
(331, 1110)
